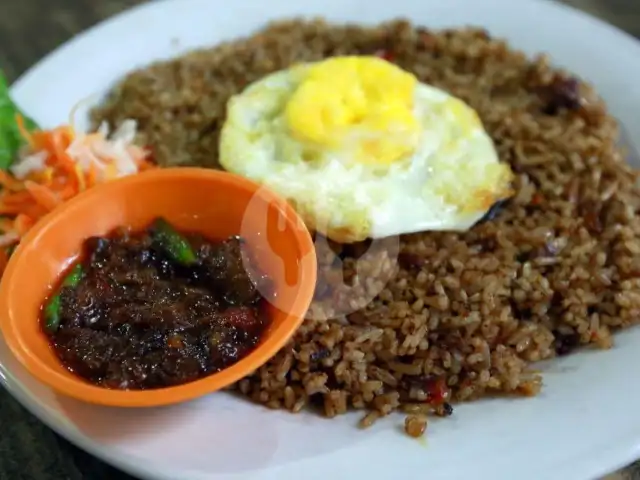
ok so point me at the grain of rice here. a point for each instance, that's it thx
(415, 425)
(369, 419)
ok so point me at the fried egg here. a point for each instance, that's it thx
(362, 149)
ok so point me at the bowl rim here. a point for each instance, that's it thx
(80, 389)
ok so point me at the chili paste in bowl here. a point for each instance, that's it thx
(158, 308)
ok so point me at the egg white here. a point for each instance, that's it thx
(349, 201)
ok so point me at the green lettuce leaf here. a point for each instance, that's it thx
(10, 138)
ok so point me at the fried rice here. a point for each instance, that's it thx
(456, 316)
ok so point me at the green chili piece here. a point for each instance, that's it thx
(52, 310)
(172, 242)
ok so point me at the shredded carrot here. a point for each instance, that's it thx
(17, 198)
(80, 178)
(43, 196)
(92, 175)
(47, 176)
(59, 182)
(6, 224)
(143, 165)
(10, 183)
(66, 172)
(22, 224)
(23, 130)
(35, 211)
(68, 192)
(10, 209)
(59, 151)
(41, 140)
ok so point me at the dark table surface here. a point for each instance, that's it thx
(29, 29)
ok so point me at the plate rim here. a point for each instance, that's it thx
(23, 78)
(130, 464)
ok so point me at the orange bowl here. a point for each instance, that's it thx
(215, 204)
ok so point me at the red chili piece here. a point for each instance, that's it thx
(385, 55)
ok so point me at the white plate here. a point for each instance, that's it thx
(583, 425)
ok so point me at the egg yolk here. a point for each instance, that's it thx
(358, 104)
